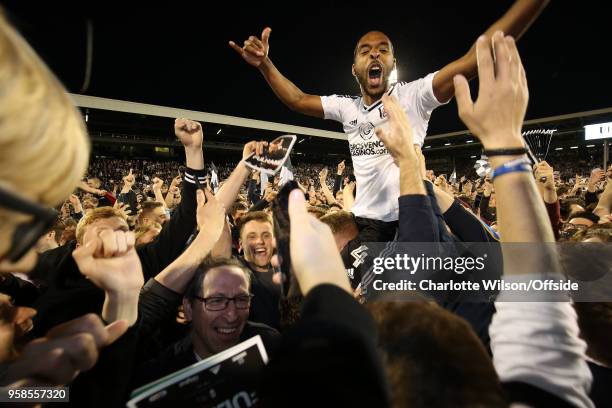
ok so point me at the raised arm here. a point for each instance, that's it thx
(87, 188)
(170, 243)
(417, 220)
(190, 134)
(211, 220)
(172, 190)
(507, 87)
(348, 197)
(128, 182)
(338, 178)
(604, 206)
(399, 142)
(157, 186)
(256, 52)
(231, 188)
(515, 22)
(326, 191)
(524, 335)
(110, 262)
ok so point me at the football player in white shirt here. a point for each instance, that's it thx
(376, 175)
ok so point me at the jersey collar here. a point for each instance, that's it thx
(377, 103)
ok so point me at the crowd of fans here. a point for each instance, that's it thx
(149, 267)
(565, 197)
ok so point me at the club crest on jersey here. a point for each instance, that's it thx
(366, 130)
(382, 112)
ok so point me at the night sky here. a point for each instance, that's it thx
(178, 56)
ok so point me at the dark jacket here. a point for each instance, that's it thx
(329, 358)
(181, 354)
(421, 220)
(107, 383)
(157, 307)
(265, 302)
(22, 292)
(466, 226)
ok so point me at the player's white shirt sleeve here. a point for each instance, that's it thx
(420, 95)
(418, 100)
(333, 106)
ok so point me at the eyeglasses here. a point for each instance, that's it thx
(26, 234)
(217, 303)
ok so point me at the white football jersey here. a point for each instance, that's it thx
(376, 174)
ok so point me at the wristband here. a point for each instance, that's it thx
(518, 165)
(505, 152)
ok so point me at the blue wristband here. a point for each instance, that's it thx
(514, 166)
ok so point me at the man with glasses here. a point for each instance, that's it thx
(217, 304)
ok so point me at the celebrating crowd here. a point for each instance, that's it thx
(116, 273)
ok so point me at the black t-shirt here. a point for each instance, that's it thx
(264, 306)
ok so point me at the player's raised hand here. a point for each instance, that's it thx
(255, 50)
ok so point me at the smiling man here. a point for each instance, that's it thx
(217, 304)
(257, 244)
(376, 205)
(257, 240)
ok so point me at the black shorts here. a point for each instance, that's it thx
(375, 230)
(356, 255)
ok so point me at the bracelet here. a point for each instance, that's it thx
(518, 165)
(505, 152)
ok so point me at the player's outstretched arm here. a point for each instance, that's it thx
(256, 51)
(514, 23)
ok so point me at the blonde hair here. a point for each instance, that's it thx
(339, 221)
(101, 213)
(44, 148)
